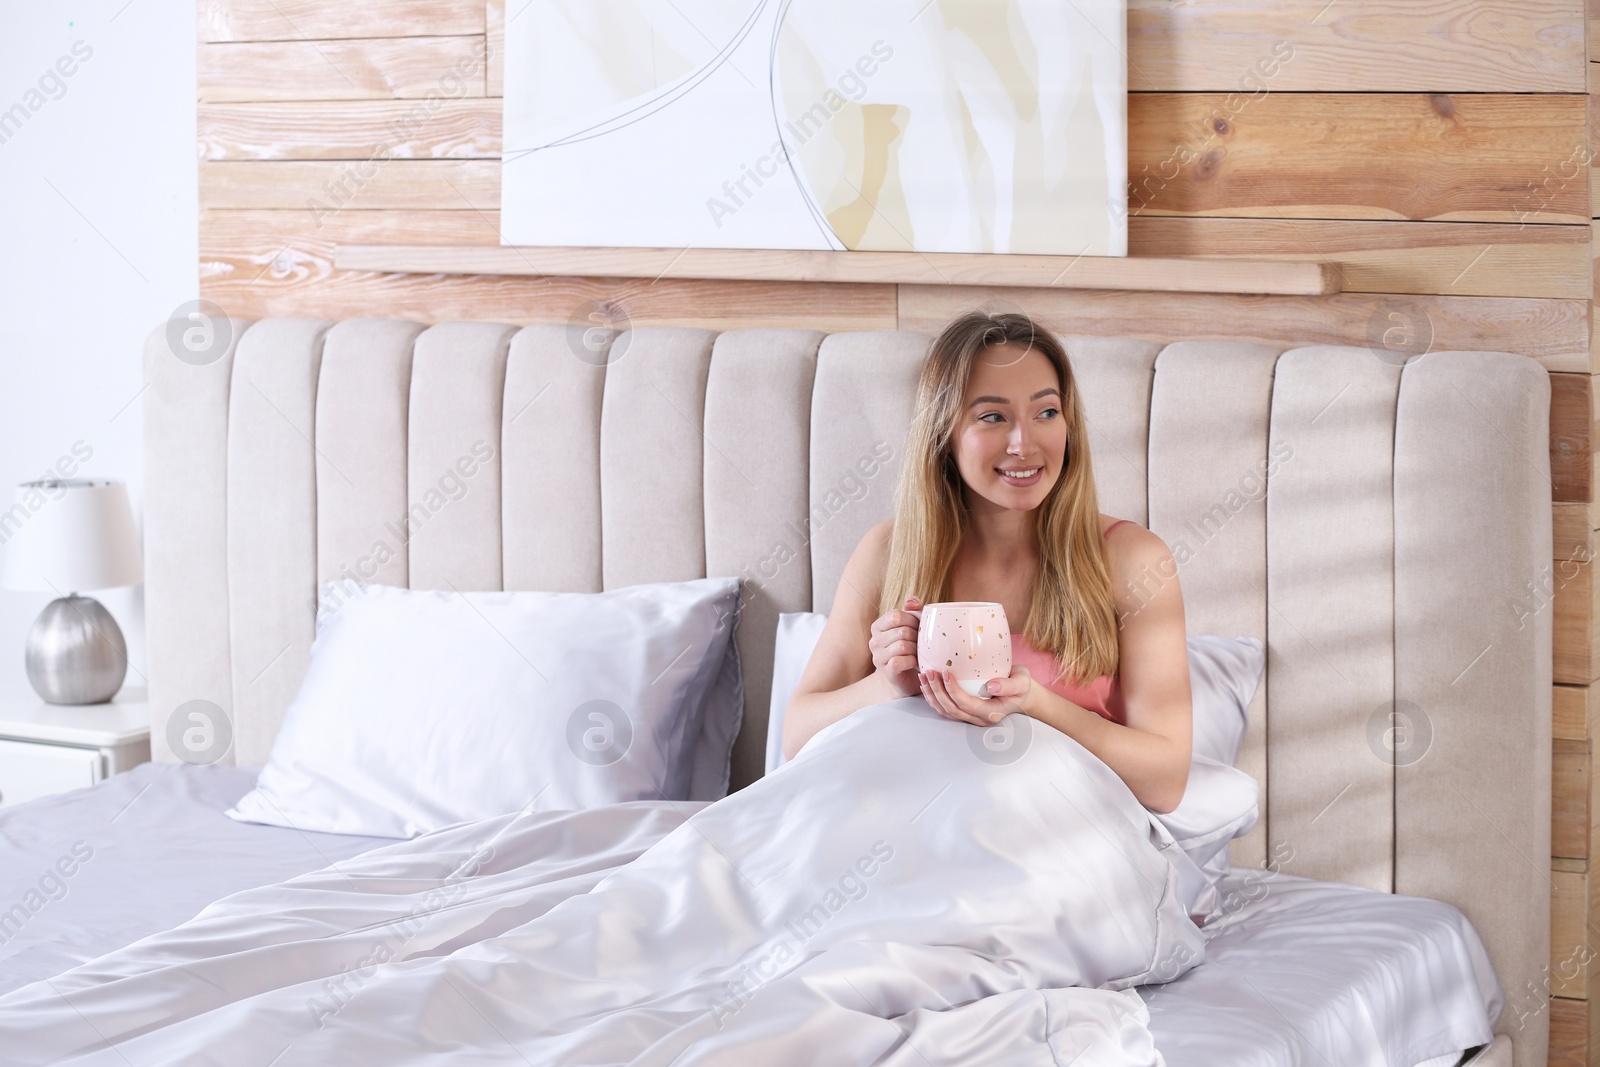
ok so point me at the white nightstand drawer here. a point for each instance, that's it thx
(29, 770)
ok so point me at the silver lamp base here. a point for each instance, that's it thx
(75, 652)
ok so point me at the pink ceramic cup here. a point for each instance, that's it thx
(970, 638)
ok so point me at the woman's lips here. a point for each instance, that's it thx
(1022, 482)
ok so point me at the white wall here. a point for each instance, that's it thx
(98, 245)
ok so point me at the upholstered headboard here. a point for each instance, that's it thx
(1375, 523)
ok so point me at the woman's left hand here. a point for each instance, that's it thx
(1006, 695)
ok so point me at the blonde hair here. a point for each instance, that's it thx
(1073, 614)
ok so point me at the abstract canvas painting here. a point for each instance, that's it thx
(993, 126)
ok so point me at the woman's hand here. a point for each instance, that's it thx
(894, 647)
(1006, 695)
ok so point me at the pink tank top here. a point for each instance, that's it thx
(1103, 696)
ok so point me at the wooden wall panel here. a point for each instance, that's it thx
(370, 69)
(1571, 824)
(1555, 332)
(301, 20)
(1220, 46)
(1572, 435)
(1575, 613)
(369, 185)
(1458, 259)
(495, 30)
(1574, 971)
(1575, 708)
(1569, 1027)
(1572, 531)
(1481, 158)
(1569, 936)
(466, 128)
(1314, 156)
(1389, 45)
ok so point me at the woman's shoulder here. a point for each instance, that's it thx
(1110, 525)
(875, 546)
(865, 571)
(1129, 544)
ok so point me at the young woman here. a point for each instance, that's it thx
(997, 502)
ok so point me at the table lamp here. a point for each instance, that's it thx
(65, 536)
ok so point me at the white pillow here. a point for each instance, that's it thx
(421, 709)
(1220, 802)
(798, 633)
(1224, 673)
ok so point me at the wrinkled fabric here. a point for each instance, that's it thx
(1305, 973)
(90, 870)
(897, 894)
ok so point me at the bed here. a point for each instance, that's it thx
(1405, 495)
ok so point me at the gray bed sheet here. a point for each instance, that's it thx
(1299, 971)
(84, 872)
(1289, 971)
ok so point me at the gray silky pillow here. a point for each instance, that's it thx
(421, 709)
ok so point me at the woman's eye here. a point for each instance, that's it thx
(996, 414)
(1051, 410)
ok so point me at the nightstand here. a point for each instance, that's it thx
(50, 748)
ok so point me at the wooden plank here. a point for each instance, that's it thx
(1570, 941)
(1462, 259)
(1447, 258)
(299, 20)
(1469, 158)
(1569, 1032)
(1573, 527)
(494, 19)
(366, 129)
(259, 263)
(1555, 332)
(226, 235)
(1495, 158)
(929, 268)
(1375, 45)
(327, 186)
(368, 69)
(1222, 46)
(1572, 435)
(1574, 710)
(1574, 600)
(1570, 823)
(1594, 139)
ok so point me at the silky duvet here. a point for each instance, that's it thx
(900, 894)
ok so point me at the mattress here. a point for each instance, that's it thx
(1327, 974)
(1296, 971)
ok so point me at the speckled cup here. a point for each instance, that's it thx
(967, 637)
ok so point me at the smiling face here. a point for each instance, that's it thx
(1012, 419)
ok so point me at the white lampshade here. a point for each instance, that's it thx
(69, 536)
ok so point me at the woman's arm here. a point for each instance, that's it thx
(1152, 752)
(840, 677)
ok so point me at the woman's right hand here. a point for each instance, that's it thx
(894, 648)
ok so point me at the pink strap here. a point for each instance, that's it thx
(1113, 526)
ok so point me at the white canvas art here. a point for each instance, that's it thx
(887, 125)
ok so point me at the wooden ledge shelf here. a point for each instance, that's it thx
(1170, 275)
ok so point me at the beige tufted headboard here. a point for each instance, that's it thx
(1376, 524)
